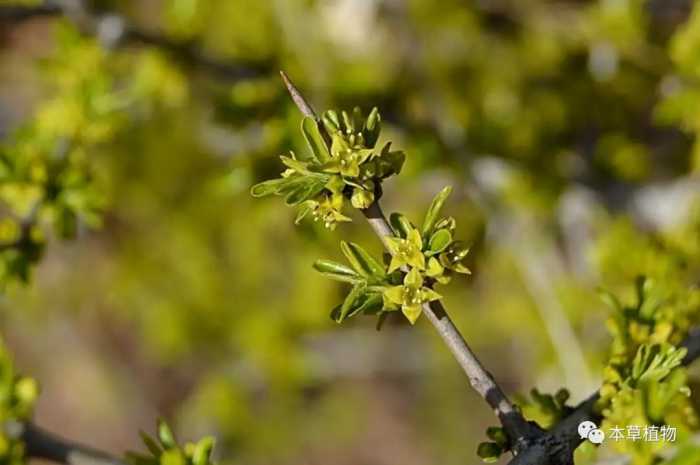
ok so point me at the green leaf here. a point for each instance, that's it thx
(400, 224)
(434, 211)
(304, 190)
(372, 128)
(350, 301)
(166, 436)
(300, 167)
(337, 271)
(304, 209)
(347, 122)
(372, 305)
(653, 362)
(609, 299)
(267, 187)
(489, 451)
(439, 241)
(362, 261)
(331, 122)
(314, 139)
(202, 451)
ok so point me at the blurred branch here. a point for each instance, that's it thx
(24, 13)
(48, 446)
(519, 430)
(557, 446)
(114, 29)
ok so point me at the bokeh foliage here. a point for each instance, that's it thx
(567, 128)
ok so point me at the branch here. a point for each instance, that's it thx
(519, 430)
(24, 13)
(557, 446)
(44, 445)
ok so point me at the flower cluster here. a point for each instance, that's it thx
(644, 382)
(343, 162)
(418, 259)
(645, 337)
(164, 450)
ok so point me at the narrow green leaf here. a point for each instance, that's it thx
(372, 305)
(609, 299)
(439, 241)
(347, 121)
(331, 122)
(304, 209)
(434, 211)
(400, 224)
(337, 271)
(202, 451)
(350, 302)
(329, 126)
(299, 166)
(372, 128)
(269, 187)
(165, 435)
(329, 266)
(362, 261)
(307, 189)
(314, 139)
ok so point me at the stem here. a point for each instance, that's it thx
(519, 430)
(44, 445)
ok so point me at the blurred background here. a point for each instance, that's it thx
(568, 129)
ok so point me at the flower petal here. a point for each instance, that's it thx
(413, 279)
(394, 295)
(428, 295)
(412, 312)
(415, 239)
